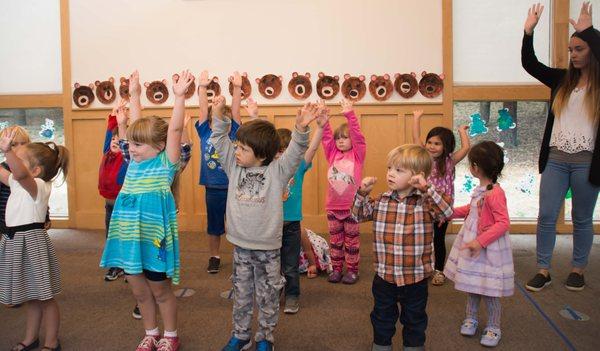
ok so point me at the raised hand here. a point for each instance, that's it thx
(463, 129)
(585, 18)
(346, 105)
(418, 181)
(251, 107)
(417, 114)
(236, 79)
(305, 116)
(218, 104)
(182, 82)
(134, 84)
(122, 115)
(322, 114)
(6, 140)
(366, 186)
(533, 17)
(203, 80)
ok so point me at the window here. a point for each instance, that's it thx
(42, 125)
(520, 178)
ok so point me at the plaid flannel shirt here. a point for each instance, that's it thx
(403, 232)
(184, 158)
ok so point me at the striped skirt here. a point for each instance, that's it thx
(29, 267)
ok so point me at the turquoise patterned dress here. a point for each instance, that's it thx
(143, 228)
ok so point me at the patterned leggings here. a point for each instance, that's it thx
(344, 240)
(494, 309)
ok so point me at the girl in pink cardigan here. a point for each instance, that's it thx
(345, 151)
(480, 262)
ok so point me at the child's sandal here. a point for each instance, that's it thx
(57, 348)
(32, 346)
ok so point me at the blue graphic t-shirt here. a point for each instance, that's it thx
(211, 173)
(292, 195)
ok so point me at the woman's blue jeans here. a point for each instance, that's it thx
(556, 180)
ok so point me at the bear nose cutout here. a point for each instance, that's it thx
(269, 91)
(353, 93)
(381, 92)
(327, 91)
(108, 94)
(405, 87)
(83, 100)
(430, 89)
(299, 89)
(158, 96)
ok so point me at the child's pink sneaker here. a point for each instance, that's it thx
(335, 277)
(148, 343)
(168, 343)
(350, 278)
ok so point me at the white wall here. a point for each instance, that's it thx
(487, 41)
(30, 59)
(161, 37)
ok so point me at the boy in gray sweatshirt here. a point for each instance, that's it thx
(255, 216)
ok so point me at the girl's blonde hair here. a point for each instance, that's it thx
(568, 84)
(149, 130)
(412, 157)
(20, 133)
(341, 131)
(49, 157)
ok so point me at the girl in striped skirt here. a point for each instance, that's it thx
(29, 271)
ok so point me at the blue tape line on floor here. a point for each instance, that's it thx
(539, 309)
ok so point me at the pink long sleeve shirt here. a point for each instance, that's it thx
(345, 168)
(493, 216)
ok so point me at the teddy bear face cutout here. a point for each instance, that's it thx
(190, 90)
(246, 87)
(406, 84)
(354, 88)
(105, 91)
(124, 88)
(213, 89)
(431, 84)
(381, 87)
(327, 86)
(157, 91)
(300, 86)
(269, 86)
(83, 95)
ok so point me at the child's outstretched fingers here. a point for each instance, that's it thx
(251, 107)
(417, 113)
(134, 84)
(6, 140)
(346, 105)
(203, 80)
(236, 79)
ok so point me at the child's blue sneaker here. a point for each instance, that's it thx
(236, 344)
(469, 327)
(490, 337)
(264, 345)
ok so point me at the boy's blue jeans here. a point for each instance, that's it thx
(290, 257)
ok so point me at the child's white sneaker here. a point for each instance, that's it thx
(490, 337)
(469, 327)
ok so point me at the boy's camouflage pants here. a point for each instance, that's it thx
(256, 273)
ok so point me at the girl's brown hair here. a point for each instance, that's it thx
(341, 131)
(448, 143)
(149, 130)
(49, 157)
(489, 159)
(569, 82)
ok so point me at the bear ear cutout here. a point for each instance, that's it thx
(386, 76)
(413, 74)
(215, 79)
(97, 82)
(164, 81)
(123, 80)
(361, 78)
(146, 84)
(321, 74)
(396, 75)
(77, 85)
(307, 74)
(423, 73)
(257, 81)
(175, 77)
(346, 76)
(111, 79)
(441, 75)
(280, 78)
(245, 74)
(295, 74)
(373, 77)
(92, 86)
(336, 77)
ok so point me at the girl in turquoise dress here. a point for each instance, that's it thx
(143, 238)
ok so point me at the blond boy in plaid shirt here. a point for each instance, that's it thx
(403, 220)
